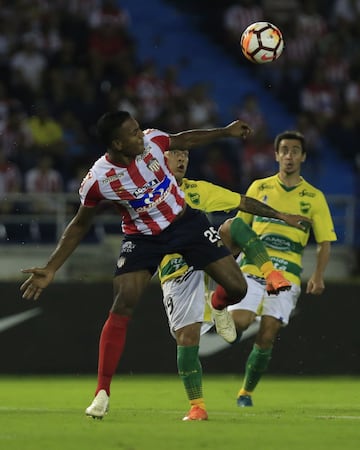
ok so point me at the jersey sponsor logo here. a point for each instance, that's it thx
(264, 186)
(115, 177)
(153, 198)
(305, 193)
(148, 185)
(276, 242)
(190, 185)
(127, 247)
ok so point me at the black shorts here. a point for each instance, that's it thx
(192, 235)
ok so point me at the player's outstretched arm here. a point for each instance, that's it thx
(195, 138)
(253, 206)
(41, 277)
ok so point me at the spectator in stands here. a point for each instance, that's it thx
(320, 98)
(147, 86)
(47, 133)
(111, 48)
(202, 111)
(16, 138)
(257, 158)
(44, 179)
(27, 68)
(217, 169)
(250, 111)
(10, 182)
(74, 138)
(237, 17)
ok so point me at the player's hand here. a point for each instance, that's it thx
(40, 278)
(315, 286)
(238, 128)
(297, 221)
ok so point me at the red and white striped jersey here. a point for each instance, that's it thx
(145, 192)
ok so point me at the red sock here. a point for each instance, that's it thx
(111, 346)
(220, 298)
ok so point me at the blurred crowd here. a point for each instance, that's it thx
(64, 62)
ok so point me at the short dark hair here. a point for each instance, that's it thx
(108, 125)
(290, 134)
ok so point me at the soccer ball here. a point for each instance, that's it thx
(262, 42)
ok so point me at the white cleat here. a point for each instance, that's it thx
(99, 407)
(224, 324)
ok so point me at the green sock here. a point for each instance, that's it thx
(246, 238)
(190, 370)
(256, 364)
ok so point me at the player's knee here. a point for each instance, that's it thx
(237, 292)
(224, 232)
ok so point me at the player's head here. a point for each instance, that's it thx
(293, 135)
(120, 132)
(290, 151)
(178, 161)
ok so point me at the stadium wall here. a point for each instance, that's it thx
(59, 334)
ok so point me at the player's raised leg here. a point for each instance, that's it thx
(232, 287)
(238, 236)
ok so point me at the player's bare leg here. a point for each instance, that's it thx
(128, 289)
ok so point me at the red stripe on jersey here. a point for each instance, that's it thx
(93, 196)
(162, 141)
(179, 200)
(115, 185)
(135, 175)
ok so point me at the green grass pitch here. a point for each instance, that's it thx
(289, 413)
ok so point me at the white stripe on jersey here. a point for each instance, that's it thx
(145, 192)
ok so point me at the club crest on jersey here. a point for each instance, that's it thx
(194, 198)
(153, 165)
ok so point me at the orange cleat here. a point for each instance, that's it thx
(196, 413)
(276, 282)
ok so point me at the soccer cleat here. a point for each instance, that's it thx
(244, 400)
(276, 282)
(196, 413)
(100, 405)
(224, 324)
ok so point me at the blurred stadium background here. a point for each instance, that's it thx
(174, 65)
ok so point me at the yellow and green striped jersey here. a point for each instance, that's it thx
(285, 244)
(208, 198)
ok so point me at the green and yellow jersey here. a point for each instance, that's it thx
(285, 244)
(208, 198)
